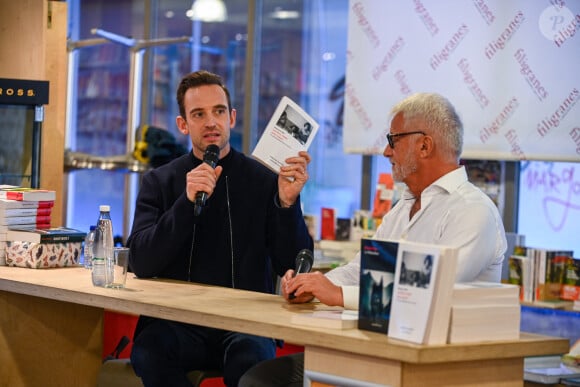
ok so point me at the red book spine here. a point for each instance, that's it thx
(45, 204)
(40, 211)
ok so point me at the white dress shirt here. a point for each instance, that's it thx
(454, 213)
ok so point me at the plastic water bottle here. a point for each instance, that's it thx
(88, 250)
(102, 246)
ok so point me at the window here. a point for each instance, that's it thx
(301, 52)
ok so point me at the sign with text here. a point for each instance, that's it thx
(509, 67)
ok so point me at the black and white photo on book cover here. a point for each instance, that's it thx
(377, 276)
(289, 131)
(422, 292)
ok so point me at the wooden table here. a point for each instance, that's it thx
(51, 333)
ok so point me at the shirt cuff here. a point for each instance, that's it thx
(350, 297)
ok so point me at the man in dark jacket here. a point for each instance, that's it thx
(250, 224)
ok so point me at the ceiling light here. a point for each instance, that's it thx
(283, 14)
(208, 11)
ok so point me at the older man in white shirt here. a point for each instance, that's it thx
(439, 206)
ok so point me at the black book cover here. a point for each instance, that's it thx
(377, 277)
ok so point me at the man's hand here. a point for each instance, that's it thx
(306, 286)
(201, 179)
(292, 178)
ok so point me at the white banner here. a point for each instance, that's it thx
(511, 68)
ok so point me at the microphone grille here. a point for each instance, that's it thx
(211, 155)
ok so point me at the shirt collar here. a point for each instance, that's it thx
(449, 183)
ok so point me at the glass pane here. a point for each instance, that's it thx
(549, 204)
(302, 54)
(305, 59)
(16, 123)
(101, 111)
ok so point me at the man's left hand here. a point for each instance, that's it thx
(292, 178)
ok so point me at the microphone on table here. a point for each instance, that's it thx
(304, 261)
(210, 157)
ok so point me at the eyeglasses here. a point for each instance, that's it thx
(390, 137)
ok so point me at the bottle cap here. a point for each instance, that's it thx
(92, 227)
(104, 207)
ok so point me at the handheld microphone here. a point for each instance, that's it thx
(210, 157)
(304, 261)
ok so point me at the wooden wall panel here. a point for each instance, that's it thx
(33, 46)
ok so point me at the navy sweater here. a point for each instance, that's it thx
(240, 236)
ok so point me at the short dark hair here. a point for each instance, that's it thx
(196, 79)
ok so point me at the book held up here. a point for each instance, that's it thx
(289, 131)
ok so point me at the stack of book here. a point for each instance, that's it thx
(23, 208)
(482, 311)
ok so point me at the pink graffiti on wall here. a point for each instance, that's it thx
(561, 188)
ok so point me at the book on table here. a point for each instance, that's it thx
(51, 235)
(289, 131)
(422, 293)
(17, 221)
(477, 323)
(378, 259)
(483, 311)
(484, 293)
(26, 194)
(22, 204)
(31, 211)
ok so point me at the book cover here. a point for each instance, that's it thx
(289, 131)
(548, 268)
(331, 319)
(571, 284)
(554, 275)
(377, 275)
(423, 289)
(343, 226)
(27, 194)
(51, 235)
(517, 273)
(383, 195)
(327, 223)
(528, 272)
